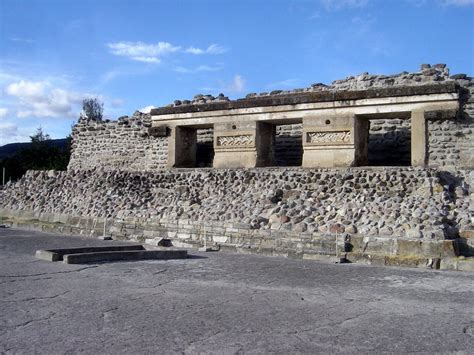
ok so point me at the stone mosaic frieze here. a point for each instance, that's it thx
(236, 141)
(339, 137)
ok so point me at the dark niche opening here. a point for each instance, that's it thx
(287, 145)
(389, 142)
(204, 147)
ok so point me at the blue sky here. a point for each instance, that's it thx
(140, 53)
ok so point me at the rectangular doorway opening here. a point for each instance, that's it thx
(204, 147)
(389, 142)
(288, 145)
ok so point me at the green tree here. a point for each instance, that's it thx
(40, 136)
(92, 109)
(41, 154)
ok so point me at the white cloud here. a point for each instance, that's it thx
(147, 59)
(146, 109)
(212, 49)
(283, 84)
(23, 40)
(208, 68)
(201, 68)
(27, 89)
(343, 4)
(216, 49)
(116, 102)
(182, 70)
(3, 112)
(153, 53)
(42, 99)
(142, 52)
(9, 133)
(194, 50)
(237, 84)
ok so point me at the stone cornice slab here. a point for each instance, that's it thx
(311, 97)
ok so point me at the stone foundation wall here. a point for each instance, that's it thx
(372, 250)
(388, 202)
(398, 216)
(124, 144)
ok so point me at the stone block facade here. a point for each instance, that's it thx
(401, 202)
(142, 174)
(125, 144)
(451, 141)
(292, 211)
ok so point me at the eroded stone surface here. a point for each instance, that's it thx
(224, 303)
(403, 202)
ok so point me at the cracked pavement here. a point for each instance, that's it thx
(224, 303)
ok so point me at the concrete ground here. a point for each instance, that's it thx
(224, 303)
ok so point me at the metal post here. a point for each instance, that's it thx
(3, 180)
(105, 224)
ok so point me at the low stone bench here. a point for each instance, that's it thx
(132, 255)
(58, 254)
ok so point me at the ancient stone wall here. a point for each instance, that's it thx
(124, 144)
(451, 141)
(127, 145)
(387, 202)
(389, 143)
(427, 74)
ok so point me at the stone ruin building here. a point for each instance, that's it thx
(374, 167)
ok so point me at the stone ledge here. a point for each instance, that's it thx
(310, 97)
(129, 255)
(366, 250)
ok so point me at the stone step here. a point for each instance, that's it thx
(133, 255)
(460, 263)
(58, 254)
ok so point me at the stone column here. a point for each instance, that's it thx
(182, 147)
(418, 138)
(334, 141)
(242, 144)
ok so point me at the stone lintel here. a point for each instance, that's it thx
(296, 113)
(309, 97)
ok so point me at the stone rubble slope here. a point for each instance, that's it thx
(428, 74)
(391, 202)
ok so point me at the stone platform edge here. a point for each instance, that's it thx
(373, 250)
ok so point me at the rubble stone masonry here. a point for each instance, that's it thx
(118, 171)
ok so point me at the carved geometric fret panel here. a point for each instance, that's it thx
(328, 137)
(230, 141)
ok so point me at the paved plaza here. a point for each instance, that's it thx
(224, 303)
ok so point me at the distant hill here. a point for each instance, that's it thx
(8, 150)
